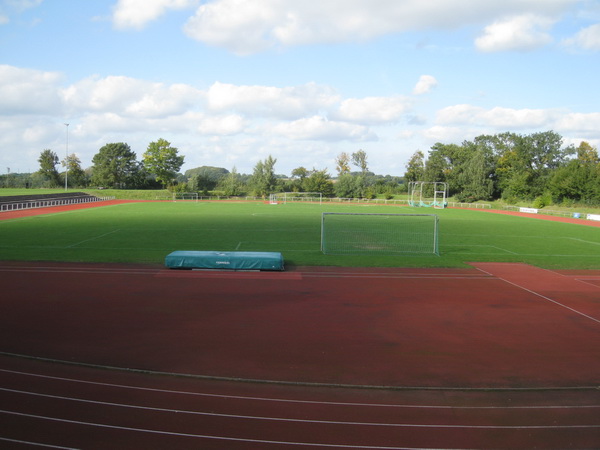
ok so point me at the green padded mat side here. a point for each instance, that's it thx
(192, 259)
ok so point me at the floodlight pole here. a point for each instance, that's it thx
(67, 158)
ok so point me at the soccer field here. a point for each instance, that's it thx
(146, 232)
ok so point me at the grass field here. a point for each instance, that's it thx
(147, 232)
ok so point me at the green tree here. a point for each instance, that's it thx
(351, 186)
(576, 181)
(232, 184)
(319, 181)
(475, 179)
(587, 154)
(163, 161)
(415, 168)
(525, 163)
(115, 165)
(48, 161)
(359, 159)
(437, 165)
(342, 163)
(76, 175)
(300, 172)
(205, 178)
(263, 180)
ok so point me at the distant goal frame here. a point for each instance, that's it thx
(284, 197)
(369, 240)
(428, 194)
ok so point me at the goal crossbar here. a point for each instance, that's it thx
(285, 197)
(379, 233)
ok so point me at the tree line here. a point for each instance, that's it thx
(508, 166)
(513, 167)
(264, 180)
(114, 166)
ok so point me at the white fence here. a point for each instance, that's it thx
(47, 203)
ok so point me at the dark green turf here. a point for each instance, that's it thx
(147, 232)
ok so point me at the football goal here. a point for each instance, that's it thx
(193, 196)
(290, 197)
(428, 194)
(365, 233)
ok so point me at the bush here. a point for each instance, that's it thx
(542, 201)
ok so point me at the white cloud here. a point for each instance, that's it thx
(373, 110)
(137, 13)
(497, 118)
(587, 39)
(269, 101)
(26, 91)
(246, 27)
(584, 124)
(130, 96)
(459, 114)
(319, 128)
(227, 125)
(521, 33)
(425, 84)
(444, 134)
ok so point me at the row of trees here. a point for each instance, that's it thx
(509, 166)
(512, 167)
(115, 165)
(264, 181)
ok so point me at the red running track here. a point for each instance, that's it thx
(489, 357)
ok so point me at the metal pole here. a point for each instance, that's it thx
(67, 158)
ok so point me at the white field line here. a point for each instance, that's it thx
(582, 240)
(92, 239)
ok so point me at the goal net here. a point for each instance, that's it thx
(290, 197)
(428, 194)
(364, 233)
(181, 196)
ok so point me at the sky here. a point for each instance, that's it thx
(230, 82)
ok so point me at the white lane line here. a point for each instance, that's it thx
(205, 436)
(283, 400)
(544, 297)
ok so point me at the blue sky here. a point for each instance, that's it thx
(229, 82)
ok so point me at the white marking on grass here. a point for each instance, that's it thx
(481, 245)
(92, 239)
(584, 241)
(237, 247)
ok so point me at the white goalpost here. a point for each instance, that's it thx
(185, 196)
(291, 197)
(428, 194)
(375, 233)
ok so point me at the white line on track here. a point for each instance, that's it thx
(312, 274)
(201, 436)
(283, 400)
(546, 298)
(262, 441)
(286, 419)
(35, 444)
